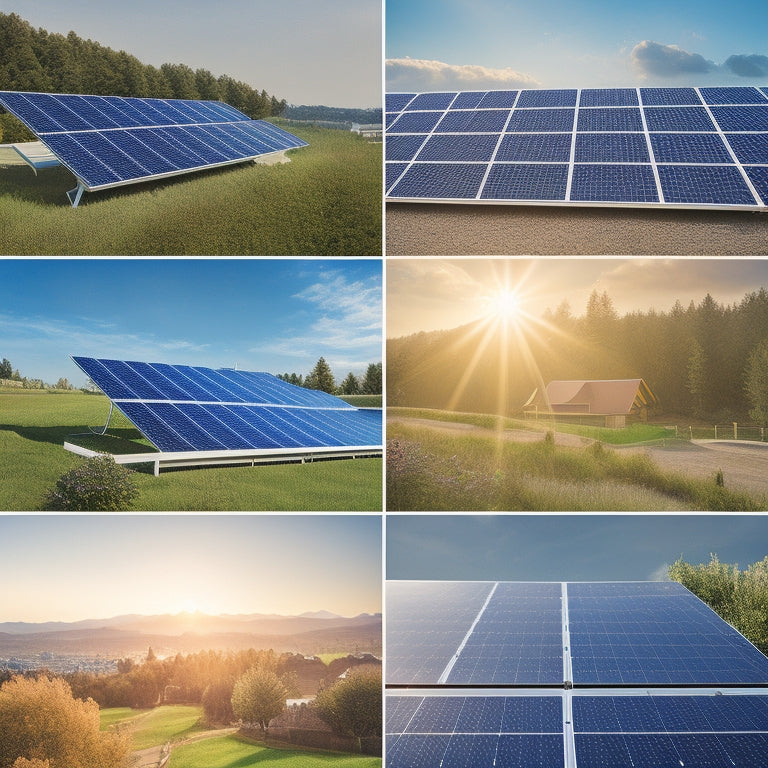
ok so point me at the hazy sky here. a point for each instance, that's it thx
(304, 51)
(433, 294)
(466, 44)
(274, 315)
(566, 547)
(68, 568)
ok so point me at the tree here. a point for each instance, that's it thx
(352, 705)
(98, 484)
(697, 379)
(350, 385)
(321, 377)
(6, 370)
(41, 722)
(62, 384)
(217, 703)
(756, 383)
(258, 696)
(372, 381)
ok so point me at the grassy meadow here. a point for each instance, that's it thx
(325, 201)
(428, 470)
(236, 752)
(154, 727)
(34, 425)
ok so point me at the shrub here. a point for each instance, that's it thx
(99, 484)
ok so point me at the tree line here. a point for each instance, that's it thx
(321, 377)
(37, 60)
(704, 361)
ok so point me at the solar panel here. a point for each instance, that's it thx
(648, 676)
(108, 141)
(685, 147)
(190, 408)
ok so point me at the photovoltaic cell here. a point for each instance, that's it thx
(641, 143)
(109, 140)
(186, 408)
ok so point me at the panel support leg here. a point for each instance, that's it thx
(75, 194)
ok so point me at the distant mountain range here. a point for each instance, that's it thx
(309, 633)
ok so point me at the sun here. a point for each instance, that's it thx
(504, 304)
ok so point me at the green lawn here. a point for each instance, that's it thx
(34, 425)
(114, 715)
(325, 201)
(234, 752)
(167, 723)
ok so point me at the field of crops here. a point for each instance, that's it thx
(34, 425)
(325, 201)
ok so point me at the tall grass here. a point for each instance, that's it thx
(326, 201)
(431, 471)
(34, 425)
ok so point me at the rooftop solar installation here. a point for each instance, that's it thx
(108, 141)
(700, 698)
(674, 147)
(190, 408)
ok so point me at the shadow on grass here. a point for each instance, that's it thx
(57, 435)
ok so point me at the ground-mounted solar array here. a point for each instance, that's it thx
(647, 677)
(690, 147)
(182, 408)
(108, 141)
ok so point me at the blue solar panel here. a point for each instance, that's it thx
(610, 119)
(611, 148)
(183, 408)
(443, 180)
(614, 183)
(704, 184)
(520, 181)
(630, 137)
(426, 622)
(393, 172)
(395, 102)
(689, 148)
(758, 175)
(109, 140)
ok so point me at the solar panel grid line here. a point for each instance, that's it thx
(567, 663)
(140, 414)
(497, 147)
(572, 158)
(450, 665)
(724, 139)
(649, 145)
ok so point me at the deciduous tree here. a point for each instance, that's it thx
(258, 696)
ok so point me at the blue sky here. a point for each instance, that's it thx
(560, 43)
(304, 51)
(274, 315)
(566, 547)
(68, 568)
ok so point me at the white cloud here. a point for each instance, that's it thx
(425, 75)
(652, 58)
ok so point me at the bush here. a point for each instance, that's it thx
(99, 484)
(352, 705)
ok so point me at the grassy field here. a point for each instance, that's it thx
(326, 201)
(427, 470)
(235, 752)
(34, 425)
(635, 433)
(154, 727)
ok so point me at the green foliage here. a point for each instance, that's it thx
(372, 384)
(41, 721)
(429, 470)
(739, 597)
(36, 425)
(236, 751)
(258, 696)
(350, 385)
(6, 369)
(325, 201)
(352, 705)
(321, 377)
(756, 383)
(99, 484)
(217, 702)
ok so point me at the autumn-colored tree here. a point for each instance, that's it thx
(258, 696)
(42, 723)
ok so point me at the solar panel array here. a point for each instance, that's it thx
(190, 408)
(692, 147)
(108, 141)
(647, 675)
